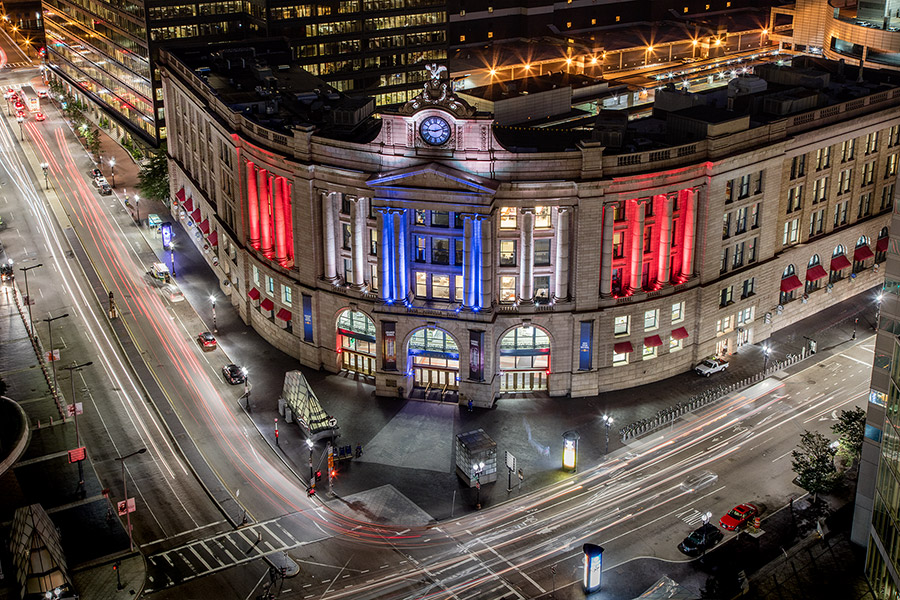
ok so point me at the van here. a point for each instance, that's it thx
(160, 271)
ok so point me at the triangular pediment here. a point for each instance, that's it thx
(434, 176)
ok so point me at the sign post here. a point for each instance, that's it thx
(511, 467)
(593, 567)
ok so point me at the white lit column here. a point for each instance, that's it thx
(562, 254)
(664, 208)
(329, 253)
(606, 254)
(358, 242)
(483, 236)
(637, 243)
(526, 257)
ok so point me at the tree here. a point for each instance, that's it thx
(850, 429)
(154, 175)
(813, 463)
(92, 140)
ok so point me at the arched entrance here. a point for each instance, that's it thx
(434, 357)
(356, 342)
(524, 359)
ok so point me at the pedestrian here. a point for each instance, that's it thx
(471, 404)
(358, 450)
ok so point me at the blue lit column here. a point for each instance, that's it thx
(400, 270)
(386, 252)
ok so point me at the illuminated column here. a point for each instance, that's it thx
(687, 249)
(385, 223)
(265, 214)
(328, 237)
(562, 254)
(469, 286)
(280, 235)
(358, 242)
(606, 253)
(400, 272)
(288, 218)
(664, 209)
(252, 205)
(526, 257)
(637, 243)
(484, 255)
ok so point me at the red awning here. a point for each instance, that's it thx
(881, 245)
(283, 315)
(179, 195)
(267, 304)
(213, 238)
(189, 204)
(862, 253)
(204, 226)
(839, 262)
(196, 216)
(652, 341)
(623, 348)
(680, 334)
(815, 273)
(789, 284)
(254, 294)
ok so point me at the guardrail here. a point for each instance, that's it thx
(668, 415)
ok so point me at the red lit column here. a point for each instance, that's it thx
(664, 210)
(687, 248)
(637, 243)
(252, 205)
(606, 252)
(288, 219)
(280, 235)
(265, 214)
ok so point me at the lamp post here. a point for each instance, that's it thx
(607, 420)
(477, 470)
(172, 258)
(122, 460)
(312, 481)
(766, 351)
(21, 120)
(71, 371)
(49, 322)
(112, 170)
(28, 296)
(878, 300)
(137, 208)
(247, 387)
(213, 300)
(855, 322)
(45, 167)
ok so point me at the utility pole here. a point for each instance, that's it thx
(49, 322)
(71, 371)
(28, 296)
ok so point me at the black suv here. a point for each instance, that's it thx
(703, 538)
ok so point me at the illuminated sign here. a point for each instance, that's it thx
(167, 235)
(569, 454)
(593, 567)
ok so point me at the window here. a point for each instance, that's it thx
(887, 194)
(440, 218)
(542, 252)
(726, 226)
(420, 248)
(754, 216)
(458, 252)
(811, 285)
(677, 312)
(844, 180)
(440, 287)
(620, 359)
(675, 345)
(648, 238)
(345, 204)
(890, 168)
(723, 267)
(421, 217)
(373, 242)
(729, 191)
(893, 136)
(458, 287)
(651, 319)
(823, 158)
(348, 270)
(620, 325)
(458, 221)
(871, 142)
(868, 174)
(847, 149)
(745, 316)
(508, 217)
(723, 325)
(791, 232)
(507, 253)
(740, 221)
(817, 223)
(744, 189)
(737, 260)
(256, 275)
(542, 217)
(421, 285)
(757, 189)
(795, 198)
(840, 213)
(865, 205)
(726, 296)
(618, 209)
(820, 190)
(748, 287)
(751, 250)
(440, 251)
(346, 236)
(785, 297)
(507, 289)
(618, 245)
(798, 166)
(542, 289)
(649, 352)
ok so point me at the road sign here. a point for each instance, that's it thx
(76, 455)
(75, 407)
(510, 461)
(330, 459)
(121, 507)
(52, 356)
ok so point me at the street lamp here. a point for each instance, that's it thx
(855, 322)
(247, 387)
(878, 300)
(766, 351)
(172, 258)
(71, 371)
(607, 420)
(137, 208)
(312, 481)
(122, 459)
(477, 470)
(112, 170)
(45, 167)
(213, 300)
(762, 37)
(647, 55)
(20, 120)
(28, 296)
(49, 322)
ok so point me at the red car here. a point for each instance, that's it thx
(207, 340)
(738, 516)
(39, 116)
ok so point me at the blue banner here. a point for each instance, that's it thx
(585, 348)
(307, 319)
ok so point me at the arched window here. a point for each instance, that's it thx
(789, 284)
(434, 357)
(524, 359)
(356, 341)
(815, 272)
(881, 245)
(839, 262)
(861, 254)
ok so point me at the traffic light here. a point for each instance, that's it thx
(318, 475)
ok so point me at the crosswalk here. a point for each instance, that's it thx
(692, 517)
(18, 65)
(223, 551)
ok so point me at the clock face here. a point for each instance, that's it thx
(435, 131)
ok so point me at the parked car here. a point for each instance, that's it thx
(207, 341)
(738, 516)
(160, 271)
(710, 366)
(99, 180)
(105, 189)
(234, 374)
(701, 539)
(172, 292)
(43, 94)
(95, 173)
(39, 116)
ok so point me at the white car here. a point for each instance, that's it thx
(173, 293)
(710, 366)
